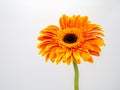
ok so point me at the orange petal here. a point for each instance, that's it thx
(69, 60)
(47, 49)
(76, 56)
(59, 54)
(77, 18)
(63, 21)
(43, 43)
(94, 53)
(90, 59)
(96, 48)
(87, 38)
(52, 56)
(59, 57)
(50, 29)
(86, 47)
(47, 57)
(66, 55)
(86, 56)
(97, 41)
(95, 33)
(94, 27)
(46, 38)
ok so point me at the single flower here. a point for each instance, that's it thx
(77, 39)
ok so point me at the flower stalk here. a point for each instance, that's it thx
(76, 76)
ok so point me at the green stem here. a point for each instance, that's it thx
(76, 77)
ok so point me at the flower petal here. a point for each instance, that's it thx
(66, 55)
(50, 29)
(76, 56)
(59, 54)
(94, 27)
(47, 49)
(59, 57)
(96, 41)
(86, 56)
(69, 60)
(63, 21)
(52, 56)
(94, 53)
(47, 57)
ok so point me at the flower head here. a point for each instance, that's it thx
(75, 40)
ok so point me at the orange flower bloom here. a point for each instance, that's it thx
(77, 39)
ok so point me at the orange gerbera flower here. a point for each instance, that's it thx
(76, 40)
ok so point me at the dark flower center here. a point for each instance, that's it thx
(70, 38)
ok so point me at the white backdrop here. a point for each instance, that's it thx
(21, 68)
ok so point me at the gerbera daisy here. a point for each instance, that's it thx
(75, 40)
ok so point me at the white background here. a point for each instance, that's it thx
(21, 68)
